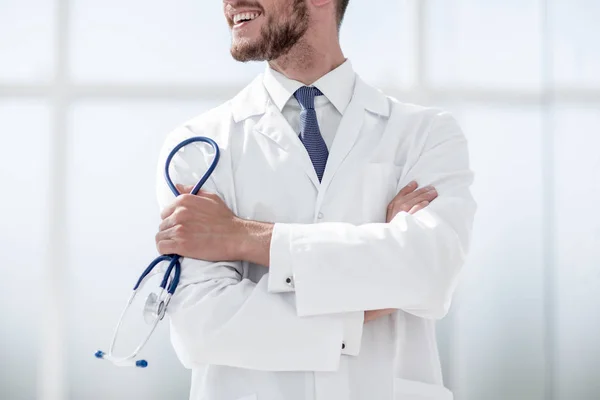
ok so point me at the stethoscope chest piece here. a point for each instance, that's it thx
(154, 309)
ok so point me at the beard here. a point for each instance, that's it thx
(276, 37)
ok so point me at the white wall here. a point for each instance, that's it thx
(78, 77)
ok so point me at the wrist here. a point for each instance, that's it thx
(254, 243)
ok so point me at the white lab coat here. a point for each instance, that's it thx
(247, 334)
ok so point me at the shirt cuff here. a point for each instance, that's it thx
(281, 277)
(353, 329)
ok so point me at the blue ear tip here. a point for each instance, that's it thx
(99, 354)
(141, 363)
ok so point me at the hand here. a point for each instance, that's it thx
(410, 200)
(374, 314)
(199, 226)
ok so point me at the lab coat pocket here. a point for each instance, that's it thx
(378, 188)
(405, 389)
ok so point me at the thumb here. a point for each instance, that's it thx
(184, 189)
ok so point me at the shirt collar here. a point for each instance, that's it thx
(336, 85)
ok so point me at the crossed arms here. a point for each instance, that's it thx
(413, 262)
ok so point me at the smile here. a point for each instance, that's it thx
(244, 17)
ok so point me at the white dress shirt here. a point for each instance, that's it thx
(337, 87)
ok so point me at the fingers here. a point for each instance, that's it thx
(406, 189)
(163, 240)
(170, 221)
(374, 314)
(168, 234)
(187, 201)
(168, 210)
(187, 189)
(167, 247)
(411, 202)
(181, 201)
(408, 193)
(419, 207)
(184, 189)
(412, 199)
(403, 192)
(427, 195)
(419, 195)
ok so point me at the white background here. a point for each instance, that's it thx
(78, 77)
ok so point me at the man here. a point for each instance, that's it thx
(320, 279)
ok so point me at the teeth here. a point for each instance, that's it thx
(244, 16)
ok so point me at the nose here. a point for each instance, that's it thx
(238, 4)
(230, 3)
(234, 3)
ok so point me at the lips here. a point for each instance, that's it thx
(240, 17)
(245, 17)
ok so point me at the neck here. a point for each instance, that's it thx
(310, 59)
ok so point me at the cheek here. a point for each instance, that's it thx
(250, 31)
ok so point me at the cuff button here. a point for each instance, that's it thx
(343, 345)
(289, 281)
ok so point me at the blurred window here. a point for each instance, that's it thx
(521, 76)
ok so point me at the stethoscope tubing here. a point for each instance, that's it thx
(173, 271)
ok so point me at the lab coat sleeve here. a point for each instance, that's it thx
(219, 318)
(281, 281)
(411, 263)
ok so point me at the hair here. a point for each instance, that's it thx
(341, 10)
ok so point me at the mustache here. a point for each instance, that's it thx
(245, 4)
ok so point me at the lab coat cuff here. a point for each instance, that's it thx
(281, 278)
(353, 329)
(321, 287)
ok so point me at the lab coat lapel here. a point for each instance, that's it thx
(345, 137)
(274, 126)
(254, 100)
(364, 99)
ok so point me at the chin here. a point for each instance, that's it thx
(242, 40)
(245, 49)
(245, 56)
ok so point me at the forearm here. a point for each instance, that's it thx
(255, 242)
(218, 318)
(411, 263)
(256, 249)
(424, 252)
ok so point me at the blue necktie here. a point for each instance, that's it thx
(310, 134)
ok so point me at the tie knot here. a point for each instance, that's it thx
(306, 96)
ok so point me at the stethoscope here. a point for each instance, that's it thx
(157, 303)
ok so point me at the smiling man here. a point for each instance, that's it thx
(314, 267)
